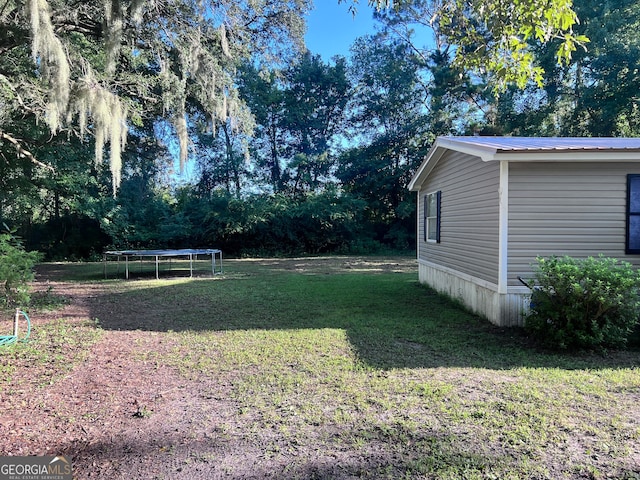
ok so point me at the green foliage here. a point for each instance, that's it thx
(361, 127)
(584, 303)
(81, 76)
(298, 114)
(274, 224)
(16, 270)
(390, 131)
(69, 237)
(592, 95)
(495, 36)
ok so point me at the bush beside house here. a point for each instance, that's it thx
(584, 303)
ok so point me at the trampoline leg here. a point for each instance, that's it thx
(191, 265)
(157, 278)
(126, 266)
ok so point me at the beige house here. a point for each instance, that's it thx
(487, 206)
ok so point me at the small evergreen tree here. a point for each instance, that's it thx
(16, 271)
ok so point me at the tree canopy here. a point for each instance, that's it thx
(98, 67)
(105, 68)
(494, 36)
(292, 153)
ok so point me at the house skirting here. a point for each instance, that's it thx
(479, 296)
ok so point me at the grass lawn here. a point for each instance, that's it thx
(339, 372)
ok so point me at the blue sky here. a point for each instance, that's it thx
(331, 29)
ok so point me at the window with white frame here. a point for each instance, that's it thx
(432, 217)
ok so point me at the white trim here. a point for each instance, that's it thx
(464, 276)
(566, 156)
(478, 295)
(425, 168)
(491, 153)
(503, 228)
(419, 237)
(486, 153)
(511, 290)
(427, 217)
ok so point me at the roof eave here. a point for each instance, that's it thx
(488, 154)
(441, 145)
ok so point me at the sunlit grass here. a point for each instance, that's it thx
(58, 345)
(375, 365)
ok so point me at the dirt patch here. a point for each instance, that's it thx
(120, 415)
(115, 414)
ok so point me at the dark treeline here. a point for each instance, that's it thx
(322, 163)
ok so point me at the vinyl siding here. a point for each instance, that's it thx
(469, 216)
(575, 209)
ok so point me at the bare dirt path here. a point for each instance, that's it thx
(115, 414)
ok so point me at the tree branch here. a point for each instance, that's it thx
(23, 151)
(6, 3)
(80, 24)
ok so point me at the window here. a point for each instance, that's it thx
(633, 214)
(432, 217)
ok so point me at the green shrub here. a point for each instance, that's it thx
(584, 303)
(16, 271)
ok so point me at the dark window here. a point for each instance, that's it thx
(432, 217)
(633, 214)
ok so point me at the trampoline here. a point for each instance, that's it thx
(191, 254)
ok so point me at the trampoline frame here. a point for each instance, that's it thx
(185, 252)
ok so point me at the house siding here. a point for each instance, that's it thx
(576, 209)
(469, 216)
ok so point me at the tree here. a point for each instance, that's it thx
(494, 36)
(389, 123)
(143, 212)
(221, 161)
(315, 99)
(52, 209)
(16, 271)
(298, 112)
(595, 94)
(97, 66)
(263, 92)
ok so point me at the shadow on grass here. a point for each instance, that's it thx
(390, 320)
(179, 455)
(211, 454)
(97, 271)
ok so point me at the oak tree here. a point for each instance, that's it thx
(494, 36)
(99, 67)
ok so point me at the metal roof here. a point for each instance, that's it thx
(529, 144)
(528, 149)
